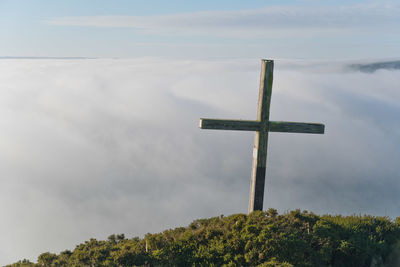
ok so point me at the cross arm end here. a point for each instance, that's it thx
(239, 125)
(296, 127)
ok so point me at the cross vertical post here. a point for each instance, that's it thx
(258, 171)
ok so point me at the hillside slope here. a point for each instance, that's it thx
(259, 239)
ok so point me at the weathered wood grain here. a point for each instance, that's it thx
(296, 127)
(257, 183)
(239, 125)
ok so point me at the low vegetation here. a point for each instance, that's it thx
(259, 239)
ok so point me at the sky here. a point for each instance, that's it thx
(109, 143)
(200, 29)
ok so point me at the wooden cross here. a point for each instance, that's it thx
(261, 126)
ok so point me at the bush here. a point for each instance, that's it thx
(297, 238)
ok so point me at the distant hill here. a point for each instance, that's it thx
(372, 67)
(260, 239)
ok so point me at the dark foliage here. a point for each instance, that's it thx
(259, 239)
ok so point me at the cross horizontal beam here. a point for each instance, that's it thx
(239, 125)
(274, 126)
(296, 127)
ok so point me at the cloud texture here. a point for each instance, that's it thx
(94, 147)
(273, 21)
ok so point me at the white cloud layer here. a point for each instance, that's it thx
(89, 148)
(275, 21)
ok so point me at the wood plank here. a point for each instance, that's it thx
(239, 125)
(296, 127)
(257, 184)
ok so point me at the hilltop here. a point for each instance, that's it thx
(296, 238)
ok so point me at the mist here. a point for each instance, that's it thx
(93, 147)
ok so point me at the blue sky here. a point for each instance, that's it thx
(201, 29)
